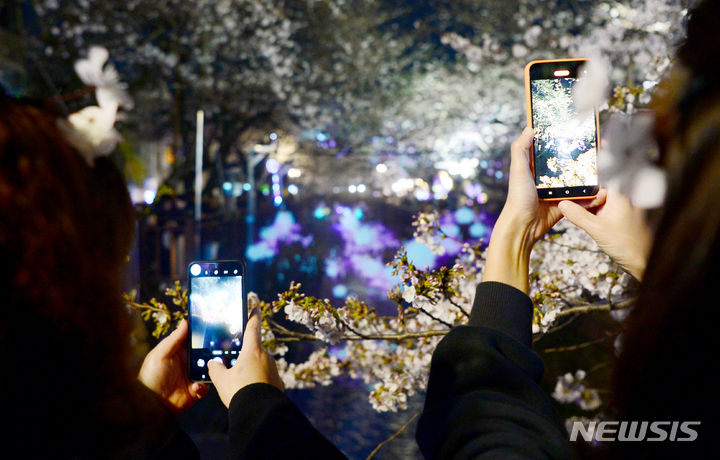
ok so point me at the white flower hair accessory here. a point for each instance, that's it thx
(91, 130)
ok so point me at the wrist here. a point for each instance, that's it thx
(514, 231)
(508, 255)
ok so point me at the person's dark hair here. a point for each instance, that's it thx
(668, 367)
(65, 233)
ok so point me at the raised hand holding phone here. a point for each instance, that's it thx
(163, 371)
(253, 365)
(523, 220)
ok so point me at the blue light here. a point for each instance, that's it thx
(277, 201)
(293, 189)
(340, 290)
(227, 186)
(331, 269)
(247, 186)
(477, 230)
(321, 137)
(464, 216)
(419, 254)
(320, 212)
(364, 236)
(259, 251)
(450, 230)
(358, 212)
(273, 136)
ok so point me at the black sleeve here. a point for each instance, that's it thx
(265, 424)
(483, 397)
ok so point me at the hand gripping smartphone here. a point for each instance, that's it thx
(217, 314)
(564, 152)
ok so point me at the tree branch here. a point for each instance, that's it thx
(395, 435)
(293, 336)
(576, 347)
(589, 308)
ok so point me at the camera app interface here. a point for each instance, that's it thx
(565, 146)
(216, 310)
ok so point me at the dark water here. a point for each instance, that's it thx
(341, 412)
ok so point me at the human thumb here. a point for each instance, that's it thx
(215, 368)
(578, 215)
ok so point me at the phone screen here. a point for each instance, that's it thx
(217, 315)
(566, 141)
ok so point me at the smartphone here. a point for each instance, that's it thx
(217, 314)
(565, 144)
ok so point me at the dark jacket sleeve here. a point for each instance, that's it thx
(483, 396)
(265, 424)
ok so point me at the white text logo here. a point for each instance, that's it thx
(634, 431)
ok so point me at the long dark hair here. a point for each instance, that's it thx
(65, 232)
(668, 368)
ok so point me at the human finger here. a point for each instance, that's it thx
(520, 149)
(579, 216)
(174, 340)
(198, 390)
(215, 369)
(595, 202)
(252, 335)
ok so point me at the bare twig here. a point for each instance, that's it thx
(589, 308)
(434, 318)
(576, 347)
(395, 435)
(466, 314)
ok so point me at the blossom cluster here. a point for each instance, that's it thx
(568, 269)
(572, 389)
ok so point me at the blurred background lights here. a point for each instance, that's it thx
(272, 166)
(321, 211)
(340, 290)
(149, 196)
(477, 230)
(293, 189)
(464, 216)
(294, 173)
(446, 181)
(381, 168)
